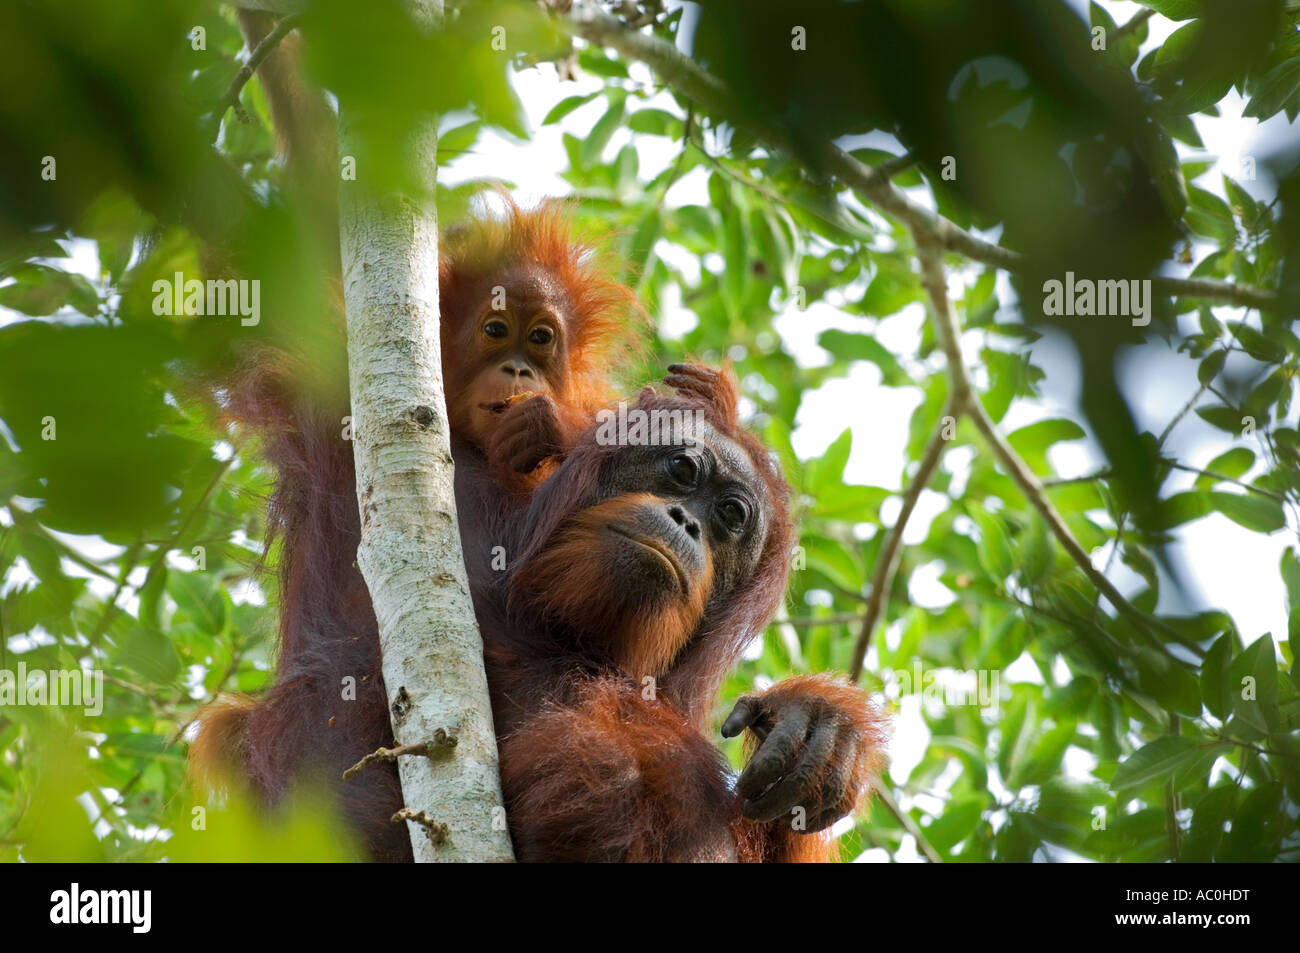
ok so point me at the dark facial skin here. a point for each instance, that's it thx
(667, 534)
(695, 513)
(520, 349)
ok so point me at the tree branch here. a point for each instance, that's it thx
(681, 72)
(1134, 23)
(269, 42)
(905, 821)
(441, 743)
(410, 551)
(882, 579)
(947, 331)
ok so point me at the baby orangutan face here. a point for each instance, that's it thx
(516, 346)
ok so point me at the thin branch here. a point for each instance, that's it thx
(1227, 479)
(882, 579)
(812, 621)
(1171, 803)
(230, 99)
(935, 282)
(1221, 477)
(905, 821)
(1053, 482)
(129, 562)
(682, 73)
(442, 742)
(1134, 23)
(437, 831)
(897, 165)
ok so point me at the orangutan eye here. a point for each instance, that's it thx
(496, 329)
(541, 335)
(734, 513)
(684, 469)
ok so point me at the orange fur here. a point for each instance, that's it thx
(605, 322)
(573, 584)
(615, 776)
(216, 754)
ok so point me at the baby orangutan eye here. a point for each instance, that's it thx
(541, 335)
(496, 329)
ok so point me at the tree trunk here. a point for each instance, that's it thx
(410, 552)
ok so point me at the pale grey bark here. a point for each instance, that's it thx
(410, 551)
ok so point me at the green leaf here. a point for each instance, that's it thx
(39, 290)
(199, 598)
(457, 141)
(1212, 811)
(1181, 508)
(1290, 568)
(1156, 761)
(1211, 366)
(1008, 378)
(1215, 687)
(1168, 682)
(848, 346)
(1225, 418)
(1044, 761)
(1192, 81)
(1278, 90)
(566, 106)
(593, 147)
(655, 122)
(1174, 9)
(1015, 739)
(1256, 344)
(833, 561)
(1209, 215)
(147, 652)
(735, 257)
(1033, 441)
(1259, 513)
(828, 469)
(1234, 464)
(958, 821)
(1252, 680)
(994, 547)
(1036, 554)
(849, 501)
(1256, 827)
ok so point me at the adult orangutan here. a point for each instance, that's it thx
(641, 573)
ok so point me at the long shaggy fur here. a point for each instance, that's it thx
(606, 322)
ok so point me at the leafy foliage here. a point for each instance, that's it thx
(132, 524)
